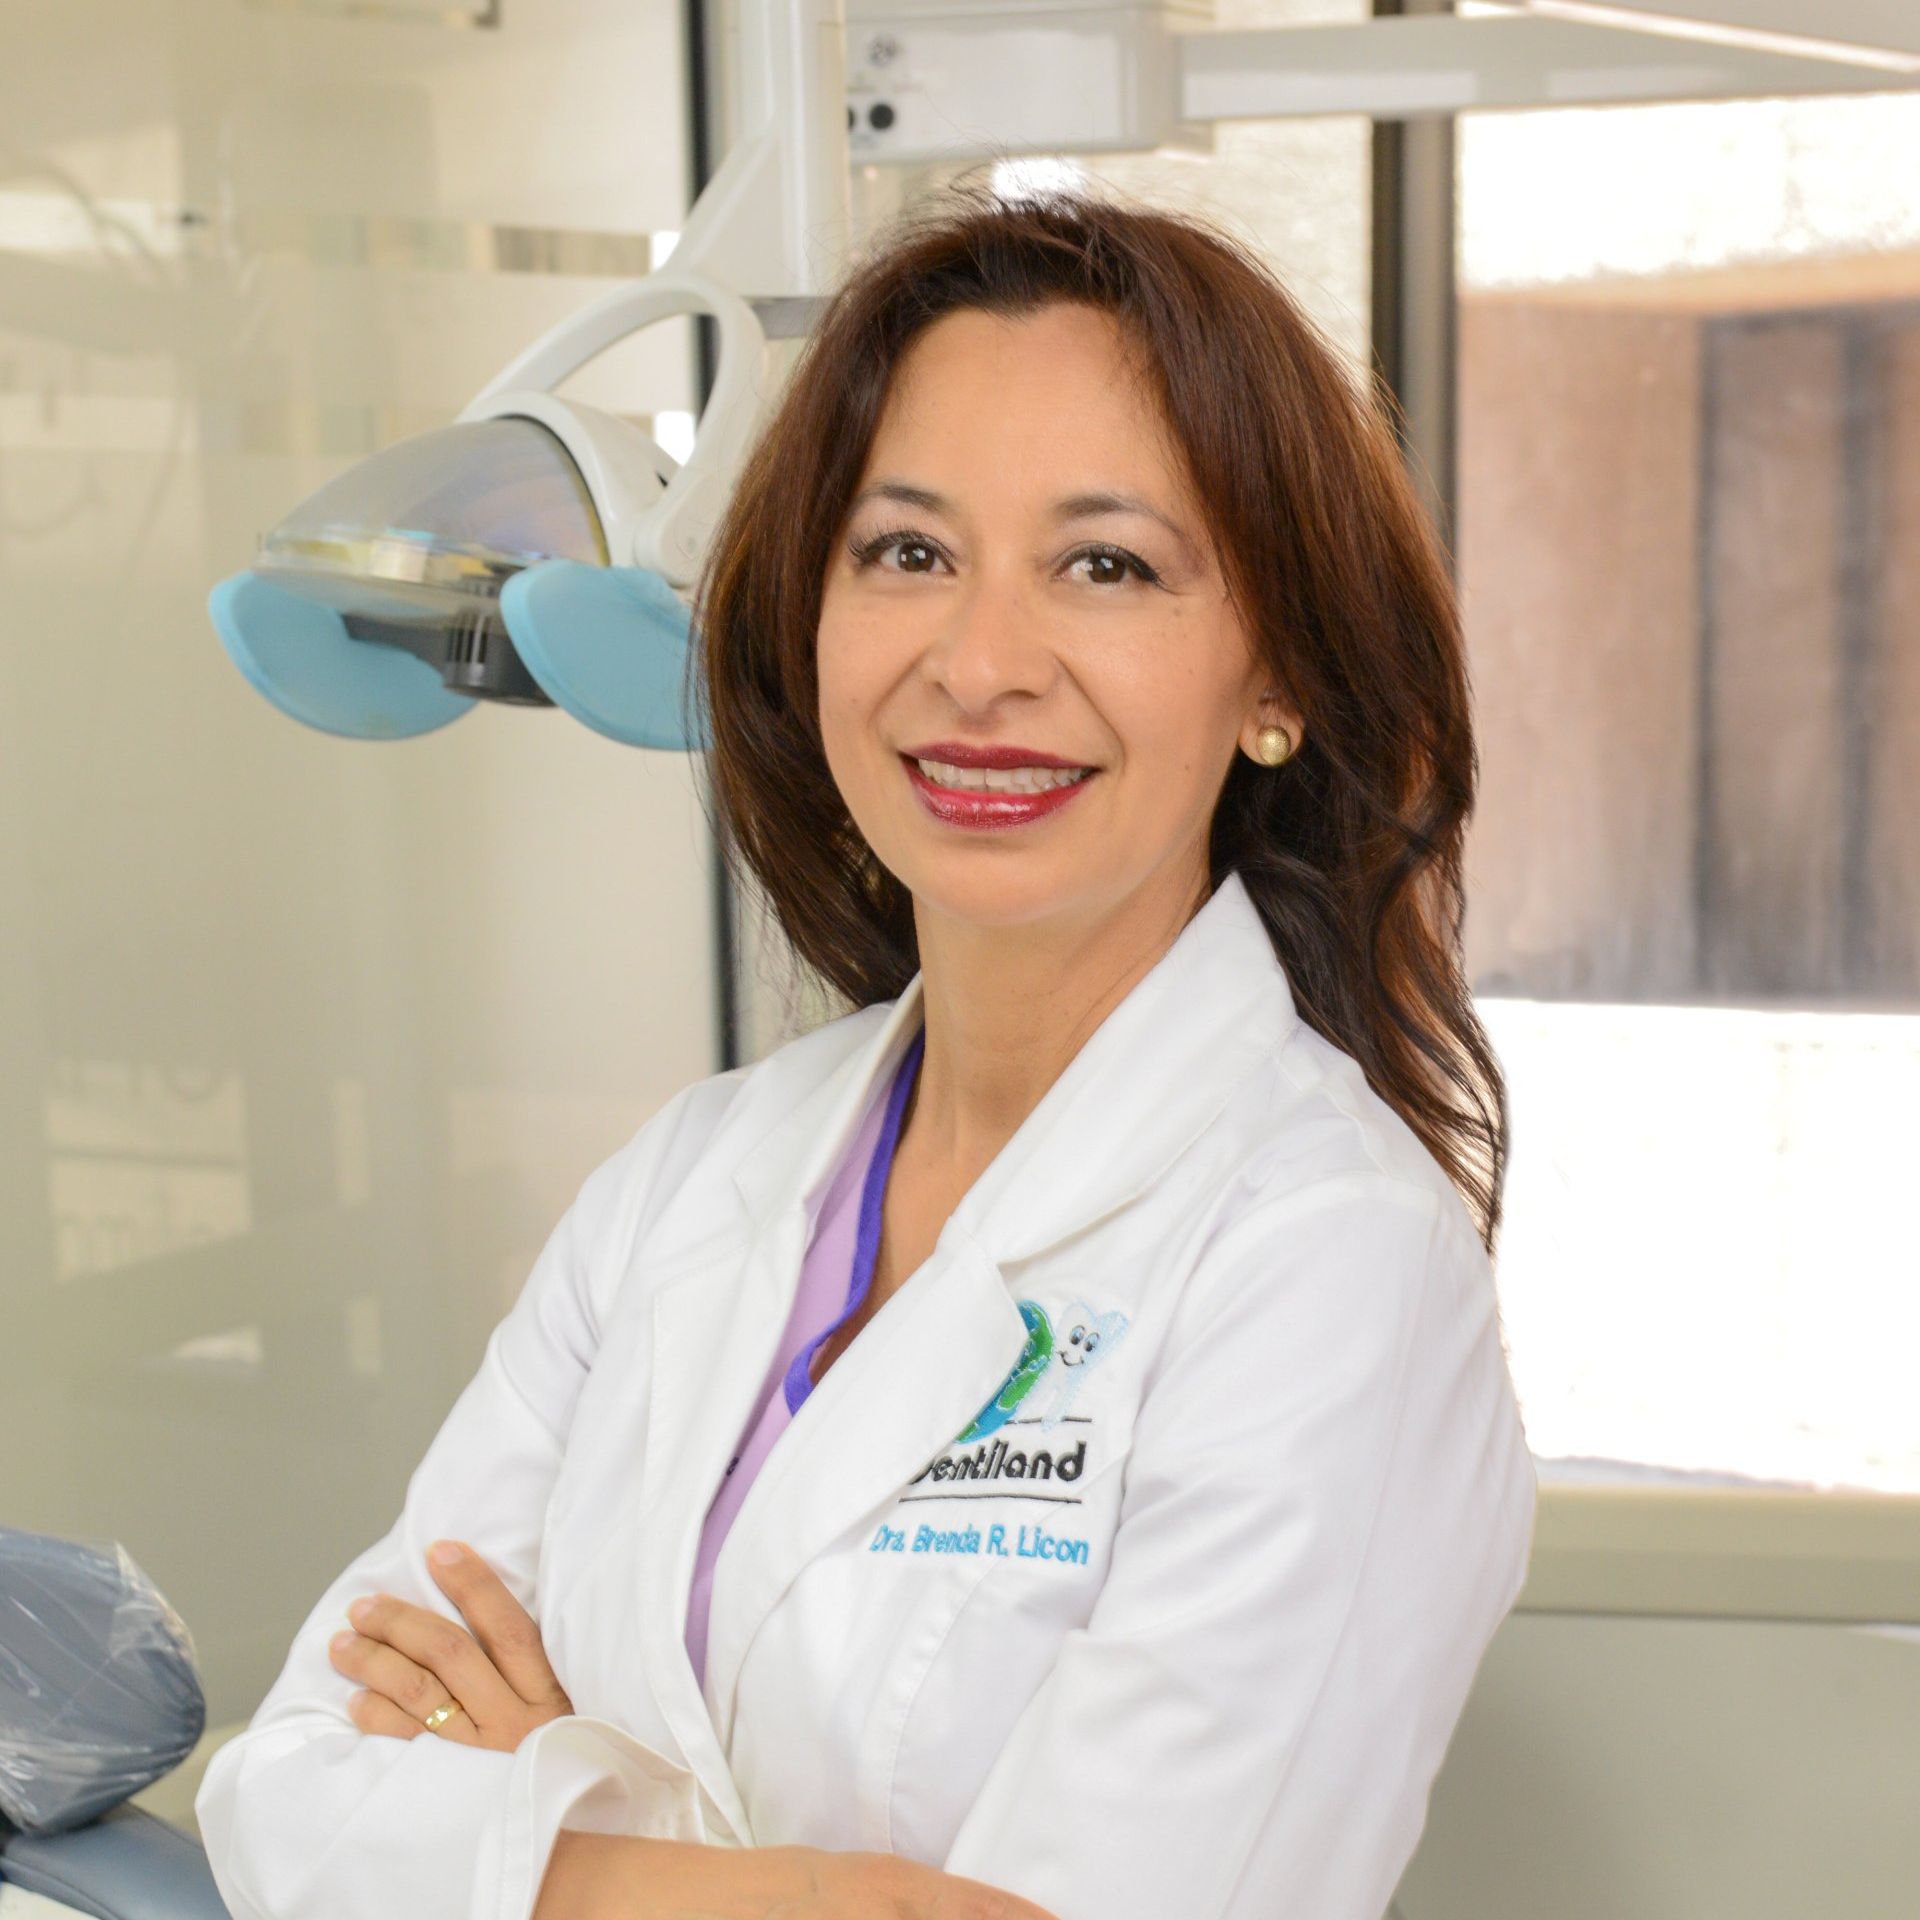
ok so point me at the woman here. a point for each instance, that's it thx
(1088, 701)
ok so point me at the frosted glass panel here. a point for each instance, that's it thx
(1689, 542)
(305, 1044)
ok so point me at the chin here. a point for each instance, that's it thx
(996, 893)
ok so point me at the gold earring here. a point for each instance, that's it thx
(1274, 743)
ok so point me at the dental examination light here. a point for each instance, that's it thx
(533, 552)
(528, 553)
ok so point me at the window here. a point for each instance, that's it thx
(1688, 530)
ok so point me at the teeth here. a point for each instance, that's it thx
(1002, 779)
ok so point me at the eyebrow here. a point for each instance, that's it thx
(1074, 506)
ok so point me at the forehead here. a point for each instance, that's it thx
(1060, 393)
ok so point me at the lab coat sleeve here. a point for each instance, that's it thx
(1328, 1510)
(304, 1816)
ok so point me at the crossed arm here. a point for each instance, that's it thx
(516, 1808)
(489, 1684)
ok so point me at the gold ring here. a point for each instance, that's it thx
(439, 1717)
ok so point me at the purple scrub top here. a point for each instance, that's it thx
(838, 1266)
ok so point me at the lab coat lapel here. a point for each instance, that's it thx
(1146, 1083)
(714, 1334)
(1148, 1080)
(877, 1417)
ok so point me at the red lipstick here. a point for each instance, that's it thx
(974, 807)
(958, 753)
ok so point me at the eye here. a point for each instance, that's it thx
(866, 551)
(1116, 557)
(1117, 563)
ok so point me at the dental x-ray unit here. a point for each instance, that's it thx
(536, 551)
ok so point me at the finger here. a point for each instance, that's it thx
(398, 1696)
(392, 1675)
(507, 1632)
(375, 1713)
(965, 1899)
(439, 1647)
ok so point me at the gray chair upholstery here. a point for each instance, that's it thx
(126, 1865)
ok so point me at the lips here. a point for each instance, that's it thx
(960, 753)
(978, 809)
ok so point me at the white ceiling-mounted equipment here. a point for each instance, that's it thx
(536, 550)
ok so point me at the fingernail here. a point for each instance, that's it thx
(358, 1612)
(444, 1553)
(342, 1641)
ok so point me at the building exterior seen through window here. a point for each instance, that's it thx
(1689, 545)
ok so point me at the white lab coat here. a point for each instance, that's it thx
(1204, 1664)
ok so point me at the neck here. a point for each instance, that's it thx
(1007, 1008)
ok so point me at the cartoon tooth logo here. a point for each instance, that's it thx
(1035, 1358)
(1090, 1338)
(1061, 1366)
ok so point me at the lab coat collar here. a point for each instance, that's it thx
(1142, 1087)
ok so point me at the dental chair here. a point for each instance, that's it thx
(99, 1698)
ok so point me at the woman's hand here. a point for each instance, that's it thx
(601, 1876)
(411, 1660)
(882, 1886)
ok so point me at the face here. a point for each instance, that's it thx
(1032, 683)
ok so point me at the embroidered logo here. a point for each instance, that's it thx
(1035, 1358)
(1062, 1366)
(1091, 1338)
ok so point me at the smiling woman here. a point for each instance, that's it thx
(1124, 671)
(907, 612)
(1087, 696)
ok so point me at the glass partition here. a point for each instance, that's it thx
(305, 1043)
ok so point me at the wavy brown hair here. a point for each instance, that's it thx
(1351, 851)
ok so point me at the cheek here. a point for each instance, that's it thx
(1187, 696)
(1177, 722)
(835, 662)
(851, 688)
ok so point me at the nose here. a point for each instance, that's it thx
(991, 643)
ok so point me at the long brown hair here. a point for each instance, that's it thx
(1352, 850)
